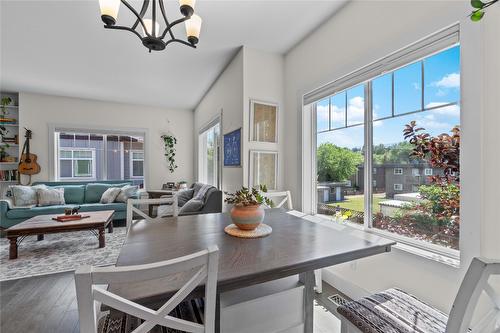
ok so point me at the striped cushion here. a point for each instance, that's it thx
(394, 311)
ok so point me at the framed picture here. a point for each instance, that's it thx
(264, 169)
(263, 121)
(232, 148)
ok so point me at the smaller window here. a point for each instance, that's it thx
(398, 171)
(136, 164)
(428, 171)
(374, 171)
(77, 163)
(398, 187)
(374, 183)
(415, 172)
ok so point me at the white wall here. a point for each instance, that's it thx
(39, 112)
(362, 32)
(224, 97)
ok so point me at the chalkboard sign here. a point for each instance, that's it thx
(232, 148)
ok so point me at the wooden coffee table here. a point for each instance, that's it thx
(43, 224)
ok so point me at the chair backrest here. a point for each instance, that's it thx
(131, 208)
(88, 295)
(286, 197)
(473, 284)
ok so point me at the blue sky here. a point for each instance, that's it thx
(441, 86)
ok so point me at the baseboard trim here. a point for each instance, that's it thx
(348, 288)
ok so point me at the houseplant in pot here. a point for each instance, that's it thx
(247, 212)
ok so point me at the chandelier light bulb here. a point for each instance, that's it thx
(193, 27)
(109, 11)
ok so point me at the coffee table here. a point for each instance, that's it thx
(43, 224)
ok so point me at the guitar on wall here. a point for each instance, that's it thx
(27, 163)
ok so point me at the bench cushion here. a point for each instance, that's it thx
(393, 311)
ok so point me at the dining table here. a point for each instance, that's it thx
(295, 246)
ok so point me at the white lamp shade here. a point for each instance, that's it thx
(189, 3)
(110, 7)
(149, 27)
(193, 26)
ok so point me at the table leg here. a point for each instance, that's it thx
(110, 227)
(307, 279)
(102, 240)
(150, 210)
(217, 313)
(40, 238)
(13, 248)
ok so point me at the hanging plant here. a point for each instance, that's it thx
(169, 142)
(479, 7)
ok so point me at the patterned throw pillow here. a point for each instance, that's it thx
(110, 195)
(50, 196)
(125, 193)
(25, 196)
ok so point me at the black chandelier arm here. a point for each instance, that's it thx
(163, 13)
(139, 18)
(144, 8)
(170, 26)
(179, 41)
(119, 27)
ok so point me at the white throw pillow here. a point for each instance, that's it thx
(25, 196)
(110, 195)
(125, 193)
(50, 196)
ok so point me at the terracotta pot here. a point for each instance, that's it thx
(247, 217)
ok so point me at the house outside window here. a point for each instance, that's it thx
(428, 172)
(398, 187)
(96, 155)
(398, 171)
(77, 164)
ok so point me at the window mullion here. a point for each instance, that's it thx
(368, 164)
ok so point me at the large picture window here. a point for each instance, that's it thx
(98, 156)
(405, 124)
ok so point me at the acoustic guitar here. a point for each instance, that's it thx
(27, 163)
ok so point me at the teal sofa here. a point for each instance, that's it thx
(84, 194)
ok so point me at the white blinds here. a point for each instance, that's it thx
(424, 47)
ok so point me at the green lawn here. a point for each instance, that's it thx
(355, 202)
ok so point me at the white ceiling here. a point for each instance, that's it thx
(61, 48)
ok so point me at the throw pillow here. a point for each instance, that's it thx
(25, 196)
(184, 196)
(193, 205)
(125, 193)
(50, 196)
(110, 195)
(200, 194)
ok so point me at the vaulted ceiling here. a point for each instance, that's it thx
(61, 48)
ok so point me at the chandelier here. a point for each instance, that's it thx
(149, 30)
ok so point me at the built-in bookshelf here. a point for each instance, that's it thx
(9, 140)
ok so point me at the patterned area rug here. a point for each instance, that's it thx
(59, 253)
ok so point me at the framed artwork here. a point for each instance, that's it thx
(232, 148)
(263, 121)
(264, 169)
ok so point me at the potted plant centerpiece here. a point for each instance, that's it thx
(247, 212)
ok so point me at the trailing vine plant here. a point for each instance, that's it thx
(3, 130)
(169, 142)
(479, 7)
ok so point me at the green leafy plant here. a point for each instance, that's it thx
(249, 197)
(3, 105)
(479, 7)
(169, 142)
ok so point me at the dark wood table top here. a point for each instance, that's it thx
(295, 246)
(45, 223)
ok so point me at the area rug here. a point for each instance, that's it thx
(59, 253)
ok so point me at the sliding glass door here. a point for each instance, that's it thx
(209, 155)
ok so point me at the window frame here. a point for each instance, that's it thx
(132, 160)
(73, 160)
(398, 187)
(399, 173)
(427, 173)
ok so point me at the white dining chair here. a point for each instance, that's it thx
(89, 296)
(285, 196)
(132, 208)
(391, 307)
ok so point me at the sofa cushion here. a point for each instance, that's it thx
(50, 196)
(73, 194)
(25, 196)
(192, 206)
(184, 196)
(94, 191)
(126, 192)
(26, 213)
(116, 206)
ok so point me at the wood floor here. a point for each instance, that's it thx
(47, 304)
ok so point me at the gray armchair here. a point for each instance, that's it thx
(199, 199)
